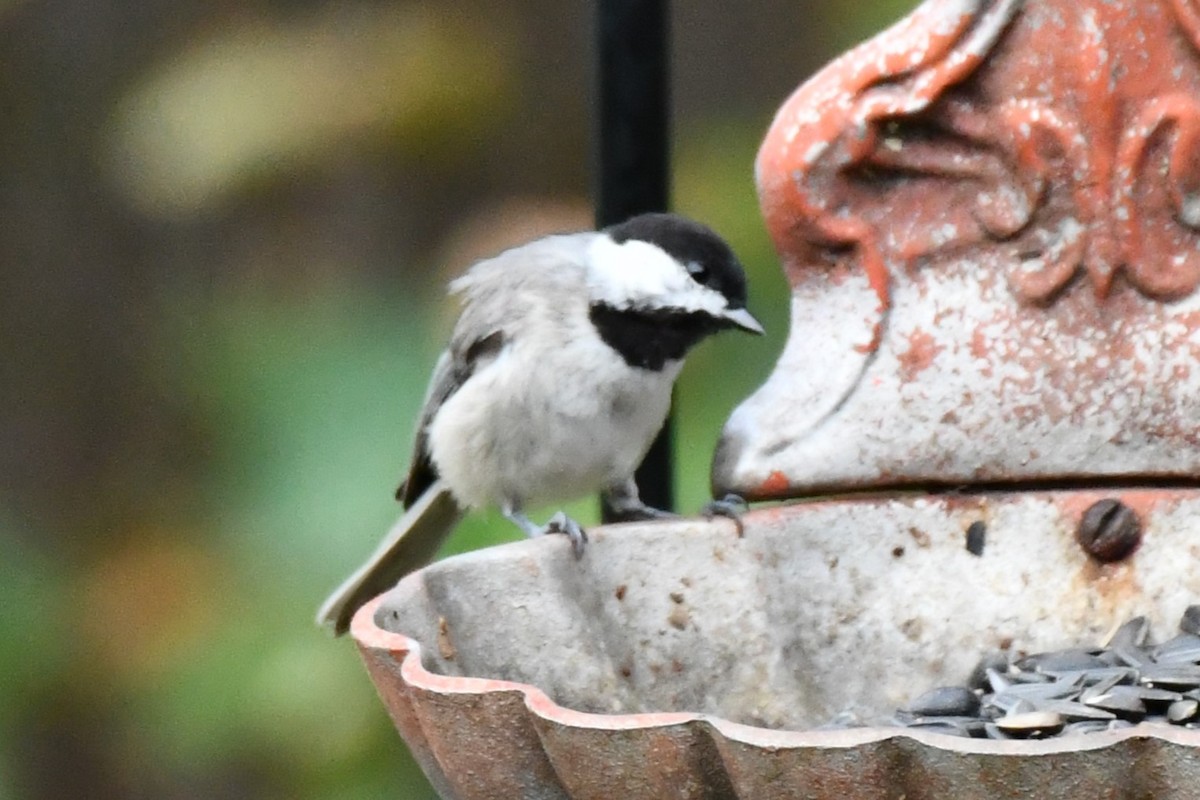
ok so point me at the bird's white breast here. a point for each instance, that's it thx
(545, 423)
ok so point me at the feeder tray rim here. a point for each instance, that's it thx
(370, 637)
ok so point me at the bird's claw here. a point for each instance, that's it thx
(561, 523)
(731, 506)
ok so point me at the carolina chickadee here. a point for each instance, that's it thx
(557, 377)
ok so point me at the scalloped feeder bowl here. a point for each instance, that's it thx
(989, 216)
(680, 661)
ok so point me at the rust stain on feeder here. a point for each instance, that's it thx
(775, 485)
(922, 349)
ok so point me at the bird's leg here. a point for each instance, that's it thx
(559, 523)
(622, 504)
(730, 506)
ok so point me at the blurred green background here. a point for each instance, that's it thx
(225, 229)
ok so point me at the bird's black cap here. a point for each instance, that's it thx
(689, 242)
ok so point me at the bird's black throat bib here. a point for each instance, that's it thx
(648, 339)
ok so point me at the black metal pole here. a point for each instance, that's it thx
(633, 144)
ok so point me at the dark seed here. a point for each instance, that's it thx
(1117, 678)
(979, 678)
(1123, 701)
(1069, 677)
(976, 537)
(1182, 711)
(1157, 699)
(1026, 676)
(946, 701)
(1011, 705)
(997, 680)
(1039, 691)
(1132, 656)
(1075, 712)
(1133, 633)
(1171, 676)
(1062, 661)
(1182, 649)
(1109, 675)
(1191, 620)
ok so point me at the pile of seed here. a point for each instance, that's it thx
(1126, 681)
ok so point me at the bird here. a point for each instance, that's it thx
(556, 380)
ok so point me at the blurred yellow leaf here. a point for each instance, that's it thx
(147, 605)
(264, 98)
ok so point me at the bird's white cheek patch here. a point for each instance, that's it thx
(630, 271)
(637, 274)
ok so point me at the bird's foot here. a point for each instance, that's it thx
(731, 506)
(561, 523)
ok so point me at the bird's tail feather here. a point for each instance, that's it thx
(411, 543)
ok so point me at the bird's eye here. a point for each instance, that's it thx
(698, 271)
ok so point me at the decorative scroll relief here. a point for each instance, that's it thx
(999, 202)
(1067, 131)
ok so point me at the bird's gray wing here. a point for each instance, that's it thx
(430, 509)
(526, 287)
(452, 370)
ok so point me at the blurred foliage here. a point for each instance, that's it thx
(260, 99)
(233, 224)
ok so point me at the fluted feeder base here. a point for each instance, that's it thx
(679, 660)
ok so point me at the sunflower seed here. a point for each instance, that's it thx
(980, 677)
(1061, 661)
(1182, 677)
(1133, 633)
(1075, 690)
(1076, 712)
(1131, 656)
(1041, 691)
(1182, 711)
(1031, 724)
(1190, 623)
(945, 701)
(1183, 649)
(997, 680)
(1121, 701)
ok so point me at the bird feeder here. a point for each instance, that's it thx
(984, 424)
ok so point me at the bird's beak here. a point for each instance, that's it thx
(742, 318)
